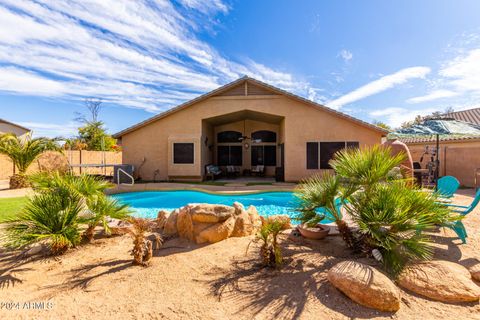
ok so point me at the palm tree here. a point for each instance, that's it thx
(322, 191)
(101, 209)
(22, 151)
(390, 215)
(51, 218)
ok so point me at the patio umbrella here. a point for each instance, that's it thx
(443, 128)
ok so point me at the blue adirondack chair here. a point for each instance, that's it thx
(458, 226)
(447, 186)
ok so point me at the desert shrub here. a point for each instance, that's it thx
(50, 218)
(101, 208)
(97, 207)
(390, 214)
(142, 247)
(270, 251)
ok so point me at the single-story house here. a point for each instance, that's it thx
(245, 123)
(10, 127)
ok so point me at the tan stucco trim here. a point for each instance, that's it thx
(259, 83)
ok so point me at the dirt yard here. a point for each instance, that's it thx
(218, 281)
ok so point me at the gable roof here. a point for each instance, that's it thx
(471, 115)
(257, 83)
(14, 124)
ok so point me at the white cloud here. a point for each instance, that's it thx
(139, 54)
(40, 129)
(459, 77)
(434, 95)
(206, 6)
(394, 116)
(463, 72)
(346, 55)
(380, 85)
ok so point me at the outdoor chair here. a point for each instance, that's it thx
(447, 186)
(458, 226)
(233, 171)
(212, 171)
(258, 170)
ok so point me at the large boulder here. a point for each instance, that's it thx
(475, 271)
(162, 217)
(170, 227)
(254, 218)
(243, 225)
(217, 232)
(440, 280)
(185, 224)
(210, 213)
(365, 285)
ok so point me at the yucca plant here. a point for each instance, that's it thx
(270, 252)
(101, 208)
(51, 218)
(23, 151)
(85, 185)
(323, 192)
(96, 206)
(142, 247)
(390, 216)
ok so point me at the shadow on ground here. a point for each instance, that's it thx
(283, 293)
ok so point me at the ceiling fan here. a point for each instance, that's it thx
(244, 137)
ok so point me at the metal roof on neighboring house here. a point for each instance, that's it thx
(14, 124)
(413, 140)
(471, 115)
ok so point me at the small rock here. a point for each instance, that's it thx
(239, 208)
(243, 225)
(440, 280)
(365, 285)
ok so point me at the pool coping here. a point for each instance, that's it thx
(171, 186)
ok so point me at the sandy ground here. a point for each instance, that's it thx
(218, 281)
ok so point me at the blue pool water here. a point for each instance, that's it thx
(147, 203)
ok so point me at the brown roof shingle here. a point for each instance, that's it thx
(471, 115)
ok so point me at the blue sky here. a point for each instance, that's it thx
(375, 60)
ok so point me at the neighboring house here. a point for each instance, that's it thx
(470, 115)
(10, 127)
(244, 123)
(459, 154)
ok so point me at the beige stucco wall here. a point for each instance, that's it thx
(9, 128)
(301, 123)
(457, 158)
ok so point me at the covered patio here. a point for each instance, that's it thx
(246, 146)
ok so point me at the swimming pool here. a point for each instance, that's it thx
(146, 204)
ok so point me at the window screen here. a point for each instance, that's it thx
(257, 155)
(312, 155)
(264, 155)
(183, 153)
(327, 151)
(264, 136)
(229, 136)
(229, 155)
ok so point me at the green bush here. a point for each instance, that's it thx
(391, 215)
(51, 218)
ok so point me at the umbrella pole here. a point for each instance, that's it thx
(437, 162)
